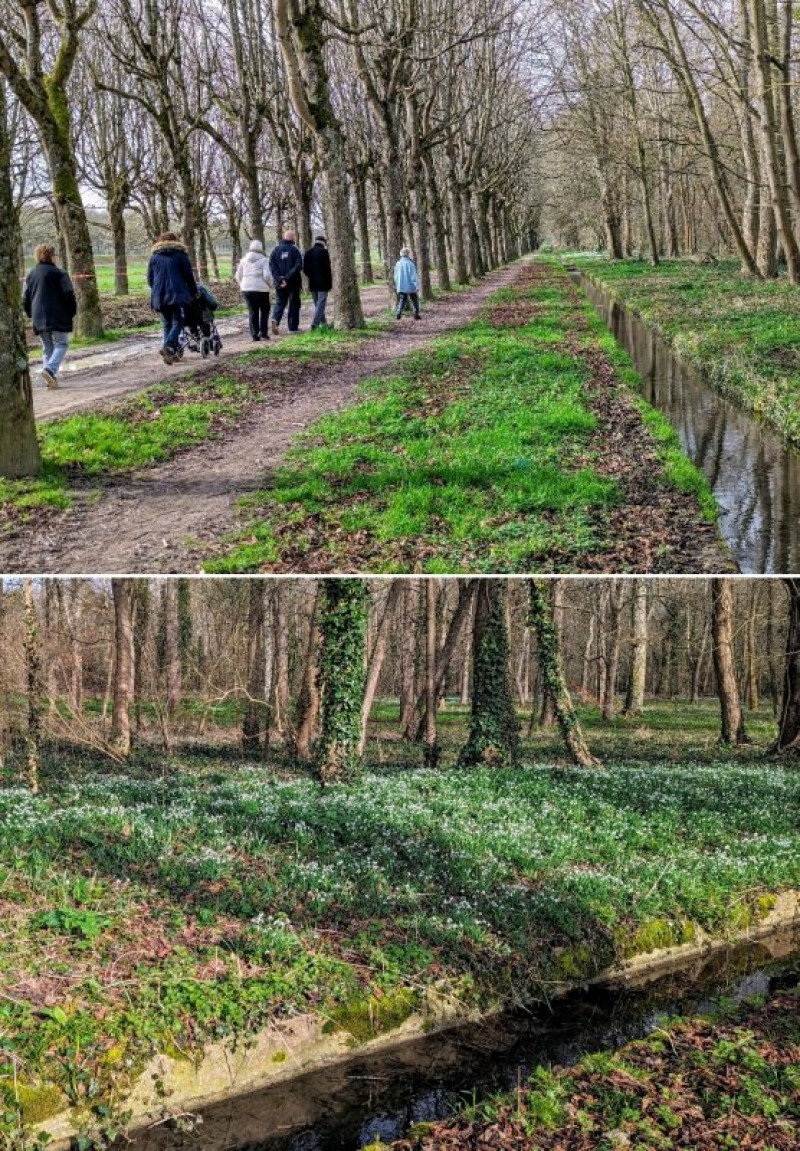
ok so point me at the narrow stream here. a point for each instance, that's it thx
(346, 1106)
(754, 475)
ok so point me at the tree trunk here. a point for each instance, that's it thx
(33, 670)
(360, 189)
(408, 657)
(732, 720)
(116, 217)
(19, 449)
(255, 706)
(303, 44)
(458, 628)
(377, 656)
(634, 701)
(122, 591)
(431, 695)
(789, 724)
(494, 728)
(308, 701)
(343, 622)
(552, 671)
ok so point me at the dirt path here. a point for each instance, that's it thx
(164, 518)
(94, 375)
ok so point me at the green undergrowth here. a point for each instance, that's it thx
(476, 454)
(201, 898)
(727, 1079)
(743, 335)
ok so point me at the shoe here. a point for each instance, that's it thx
(256, 339)
(418, 317)
(264, 336)
(167, 355)
(49, 379)
(275, 328)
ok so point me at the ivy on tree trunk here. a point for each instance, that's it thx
(343, 626)
(494, 728)
(552, 672)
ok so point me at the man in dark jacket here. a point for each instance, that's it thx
(286, 266)
(172, 288)
(49, 300)
(317, 267)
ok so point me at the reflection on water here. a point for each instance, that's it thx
(345, 1107)
(754, 476)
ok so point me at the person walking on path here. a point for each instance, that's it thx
(317, 267)
(172, 288)
(406, 281)
(49, 301)
(286, 266)
(255, 280)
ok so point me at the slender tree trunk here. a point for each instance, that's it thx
(634, 702)
(552, 671)
(308, 702)
(122, 591)
(256, 705)
(431, 694)
(408, 658)
(376, 659)
(789, 724)
(732, 720)
(35, 686)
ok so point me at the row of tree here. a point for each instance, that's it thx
(683, 114)
(305, 661)
(409, 121)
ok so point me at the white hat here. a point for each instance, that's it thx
(256, 246)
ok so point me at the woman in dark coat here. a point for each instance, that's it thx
(49, 300)
(172, 288)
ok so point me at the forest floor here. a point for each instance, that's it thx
(179, 901)
(731, 1080)
(743, 335)
(502, 433)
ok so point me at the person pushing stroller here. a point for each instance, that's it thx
(172, 289)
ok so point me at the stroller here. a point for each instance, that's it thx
(199, 329)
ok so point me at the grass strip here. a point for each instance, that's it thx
(742, 335)
(477, 454)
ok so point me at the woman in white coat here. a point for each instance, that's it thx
(254, 280)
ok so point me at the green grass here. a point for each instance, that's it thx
(187, 900)
(743, 335)
(472, 456)
(153, 425)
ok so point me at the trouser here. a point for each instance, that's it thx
(54, 348)
(403, 299)
(287, 298)
(320, 300)
(258, 313)
(172, 325)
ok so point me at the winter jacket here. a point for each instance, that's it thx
(405, 275)
(49, 299)
(170, 276)
(317, 266)
(286, 263)
(253, 274)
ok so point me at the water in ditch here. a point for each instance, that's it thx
(754, 475)
(348, 1105)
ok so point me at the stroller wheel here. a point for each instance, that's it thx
(206, 348)
(216, 349)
